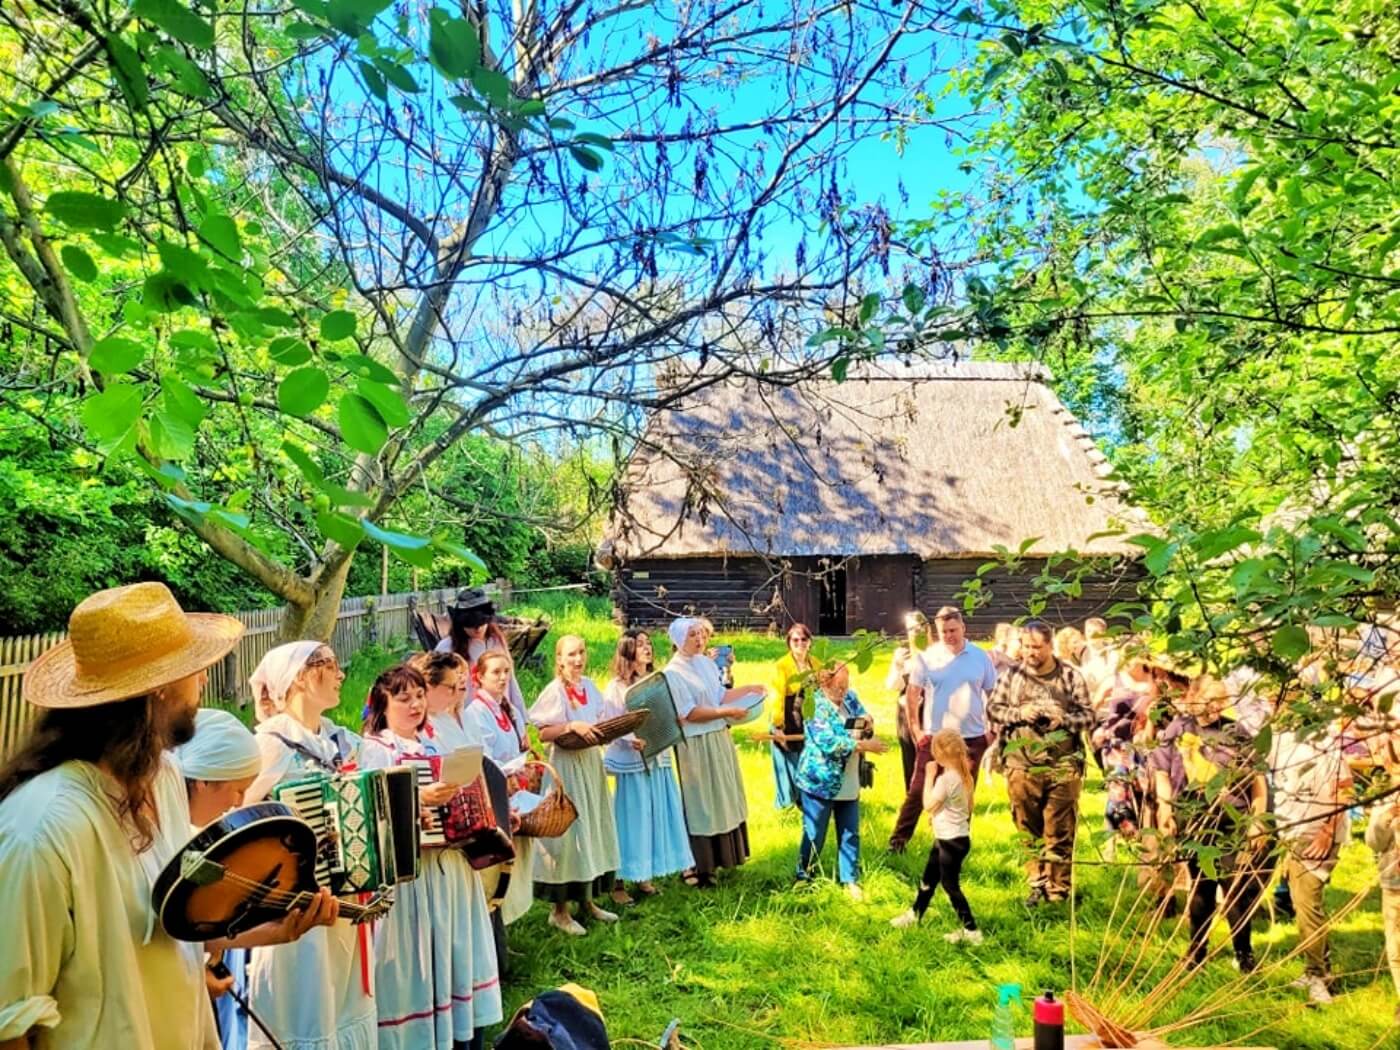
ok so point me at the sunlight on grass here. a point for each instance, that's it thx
(758, 962)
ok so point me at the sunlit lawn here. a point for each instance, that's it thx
(757, 962)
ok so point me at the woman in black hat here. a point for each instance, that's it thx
(474, 631)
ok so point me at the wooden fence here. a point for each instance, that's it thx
(361, 621)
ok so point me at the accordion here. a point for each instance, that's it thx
(366, 825)
(469, 821)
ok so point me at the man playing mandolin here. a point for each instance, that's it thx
(91, 810)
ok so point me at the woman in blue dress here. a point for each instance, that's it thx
(651, 831)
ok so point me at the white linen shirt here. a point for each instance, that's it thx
(955, 687)
(85, 962)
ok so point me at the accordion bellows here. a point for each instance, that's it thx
(366, 824)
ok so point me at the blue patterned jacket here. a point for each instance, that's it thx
(828, 745)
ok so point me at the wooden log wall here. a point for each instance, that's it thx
(939, 583)
(735, 593)
(742, 592)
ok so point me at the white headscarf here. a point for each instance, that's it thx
(275, 674)
(679, 629)
(221, 749)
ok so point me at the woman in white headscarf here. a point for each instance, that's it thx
(312, 994)
(219, 763)
(712, 788)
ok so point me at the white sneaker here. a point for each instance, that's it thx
(904, 920)
(1318, 992)
(568, 924)
(964, 937)
(601, 914)
(854, 891)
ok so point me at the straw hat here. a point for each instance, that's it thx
(126, 642)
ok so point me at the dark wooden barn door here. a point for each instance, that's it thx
(801, 599)
(879, 591)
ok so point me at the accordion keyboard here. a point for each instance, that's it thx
(309, 801)
(431, 835)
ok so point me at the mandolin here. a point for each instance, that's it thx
(252, 865)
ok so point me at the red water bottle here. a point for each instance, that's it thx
(1049, 1016)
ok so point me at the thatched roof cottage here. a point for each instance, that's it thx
(846, 505)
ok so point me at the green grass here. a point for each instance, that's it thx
(759, 963)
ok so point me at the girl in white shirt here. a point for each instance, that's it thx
(948, 799)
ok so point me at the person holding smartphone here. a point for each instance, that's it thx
(828, 776)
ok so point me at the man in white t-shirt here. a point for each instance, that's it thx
(948, 687)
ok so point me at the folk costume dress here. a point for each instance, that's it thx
(647, 806)
(86, 964)
(582, 863)
(435, 957)
(506, 744)
(315, 993)
(712, 787)
(790, 706)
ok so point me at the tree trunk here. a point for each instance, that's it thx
(316, 619)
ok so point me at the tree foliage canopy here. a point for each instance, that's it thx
(282, 261)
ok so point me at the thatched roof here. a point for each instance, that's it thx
(951, 464)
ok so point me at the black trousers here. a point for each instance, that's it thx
(1242, 877)
(944, 868)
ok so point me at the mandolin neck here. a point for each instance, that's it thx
(351, 911)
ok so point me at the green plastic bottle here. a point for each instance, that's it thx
(1004, 1020)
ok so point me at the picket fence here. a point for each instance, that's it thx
(361, 621)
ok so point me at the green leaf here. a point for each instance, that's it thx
(586, 158)
(592, 138)
(397, 75)
(374, 81)
(492, 85)
(177, 20)
(111, 416)
(194, 339)
(115, 355)
(386, 401)
(467, 104)
(913, 297)
(839, 367)
(166, 293)
(1212, 544)
(353, 17)
(361, 425)
(128, 72)
(1012, 43)
(305, 31)
(416, 550)
(303, 391)
(84, 211)
(1291, 643)
(561, 124)
(365, 367)
(172, 437)
(342, 528)
(289, 351)
(220, 232)
(456, 550)
(78, 262)
(304, 463)
(337, 325)
(115, 244)
(182, 403)
(453, 45)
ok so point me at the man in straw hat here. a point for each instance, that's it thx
(91, 809)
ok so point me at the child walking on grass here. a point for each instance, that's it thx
(948, 799)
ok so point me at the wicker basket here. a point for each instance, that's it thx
(608, 730)
(552, 817)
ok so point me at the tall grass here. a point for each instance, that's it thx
(758, 962)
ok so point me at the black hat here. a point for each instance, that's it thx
(471, 598)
